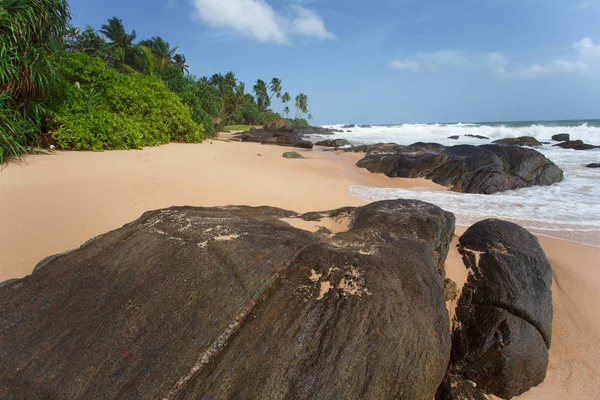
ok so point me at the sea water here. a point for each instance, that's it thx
(567, 210)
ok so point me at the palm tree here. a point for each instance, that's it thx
(115, 32)
(180, 62)
(285, 98)
(161, 49)
(275, 87)
(146, 61)
(230, 80)
(286, 110)
(301, 104)
(262, 97)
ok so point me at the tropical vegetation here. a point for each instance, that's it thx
(84, 89)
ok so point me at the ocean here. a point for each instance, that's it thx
(567, 210)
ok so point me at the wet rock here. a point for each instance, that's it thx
(576, 145)
(348, 126)
(333, 143)
(478, 137)
(289, 140)
(365, 126)
(483, 169)
(503, 323)
(292, 154)
(562, 137)
(233, 302)
(593, 165)
(520, 141)
(455, 137)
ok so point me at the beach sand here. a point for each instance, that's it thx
(53, 203)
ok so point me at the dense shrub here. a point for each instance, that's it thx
(109, 110)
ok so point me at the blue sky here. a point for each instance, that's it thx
(389, 61)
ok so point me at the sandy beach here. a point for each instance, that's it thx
(53, 203)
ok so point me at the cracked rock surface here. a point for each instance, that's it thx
(503, 324)
(234, 302)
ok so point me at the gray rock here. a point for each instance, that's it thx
(576, 145)
(483, 169)
(333, 143)
(455, 137)
(562, 137)
(478, 137)
(232, 302)
(292, 154)
(519, 141)
(593, 165)
(504, 315)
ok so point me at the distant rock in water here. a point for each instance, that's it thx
(365, 126)
(503, 324)
(519, 141)
(292, 154)
(576, 145)
(561, 137)
(453, 137)
(593, 165)
(333, 143)
(348, 126)
(482, 169)
(234, 302)
(478, 136)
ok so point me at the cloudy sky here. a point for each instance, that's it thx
(389, 61)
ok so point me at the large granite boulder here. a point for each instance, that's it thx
(236, 303)
(503, 322)
(483, 169)
(519, 141)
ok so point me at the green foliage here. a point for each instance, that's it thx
(117, 111)
(30, 33)
(87, 41)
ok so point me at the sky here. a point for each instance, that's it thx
(389, 61)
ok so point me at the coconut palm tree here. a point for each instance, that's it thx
(301, 104)
(161, 49)
(180, 62)
(262, 97)
(275, 87)
(286, 110)
(115, 32)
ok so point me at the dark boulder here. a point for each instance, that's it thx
(593, 165)
(276, 125)
(281, 138)
(503, 322)
(478, 137)
(348, 126)
(519, 141)
(304, 130)
(483, 169)
(289, 140)
(234, 302)
(365, 126)
(576, 145)
(562, 137)
(292, 154)
(333, 143)
(455, 137)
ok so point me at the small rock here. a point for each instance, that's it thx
(349, 126)
(478, 136)
(576, 145)
(333, 143)
(593, 165)
(450, 289)
(292, 154)
(453, 137)
(562, 137)
(520, 141)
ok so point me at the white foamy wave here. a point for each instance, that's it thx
(439, 133)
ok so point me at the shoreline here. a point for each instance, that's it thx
(54, 203)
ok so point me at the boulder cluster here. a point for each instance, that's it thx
(239, 303)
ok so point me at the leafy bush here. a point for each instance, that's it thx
(110, 110)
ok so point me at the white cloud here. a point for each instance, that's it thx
(309, 23)
(409, 65)
(498, 62)
(258, 20)
(587, 55)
